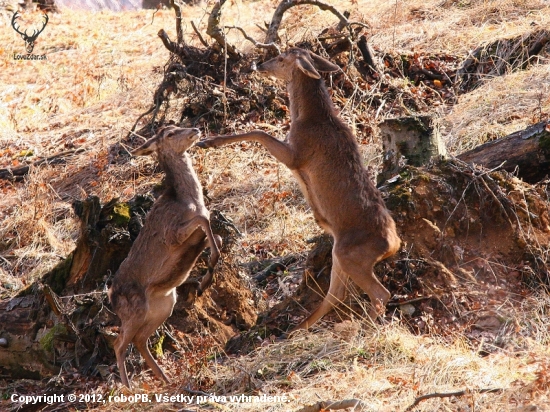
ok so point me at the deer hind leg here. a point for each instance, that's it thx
(130, 326)
(159, 310)
(336, 292)
(358, 262)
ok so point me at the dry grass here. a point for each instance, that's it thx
(101, 73)
(499, 107)
(386, 367)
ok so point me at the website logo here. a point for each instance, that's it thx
(29, 39)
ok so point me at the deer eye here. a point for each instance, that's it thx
(280, 59)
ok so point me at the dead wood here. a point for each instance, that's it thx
(409, 302)
(525, 152)
(412, 140)
(60, 318)
(174, 47)
(449, 395)
(17, 173)
(179, 47)
(177, 10)
(271, 46)
(274, 266)
(199, 35)
(500, 57)
(213, 29)
(272, 32)
(356, 404)
(43, 331)
(366, 52)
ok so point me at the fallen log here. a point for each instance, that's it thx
(525, 152)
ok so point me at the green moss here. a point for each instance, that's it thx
(121, 214)
(26, 153)
(399, 196)
(157, 347)
(46, 342)
(405, 173)
(424, 177)
(544, 142)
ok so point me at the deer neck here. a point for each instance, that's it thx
(181, 180)
(309, 98)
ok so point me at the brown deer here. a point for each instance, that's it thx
(323, 154)
(176, 231)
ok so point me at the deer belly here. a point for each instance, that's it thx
(161, 304)
(311, 200)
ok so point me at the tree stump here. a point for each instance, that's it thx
(409, 140)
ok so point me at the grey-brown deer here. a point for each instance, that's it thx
(176, 231)
(323, 154)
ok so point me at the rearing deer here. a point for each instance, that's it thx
(176, 231)
(322, 153)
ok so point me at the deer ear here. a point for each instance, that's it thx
(323, 65)
(147, 148)
(307, 68)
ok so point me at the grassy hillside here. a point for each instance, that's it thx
(101, 72)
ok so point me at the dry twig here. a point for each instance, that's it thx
(356, 404)
(450, 394)
(408, 302)
(201, 39)
(214, 31)
(177, 10)
(270, 46)
(272, 36)
(17, 173)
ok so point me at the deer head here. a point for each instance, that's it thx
(29, 40)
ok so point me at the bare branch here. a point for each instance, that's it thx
(177, 10)
(272, 35)
(335, 405)
(214, 31)
(367, 53)
(204, 43)
(408, 302)
(174, 47)
(264, 29)
(270, 46)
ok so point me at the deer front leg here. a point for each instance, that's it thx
(184, 232)
(214, 241)
(278, 149)
(215, 246)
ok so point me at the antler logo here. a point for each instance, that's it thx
(29, 40)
